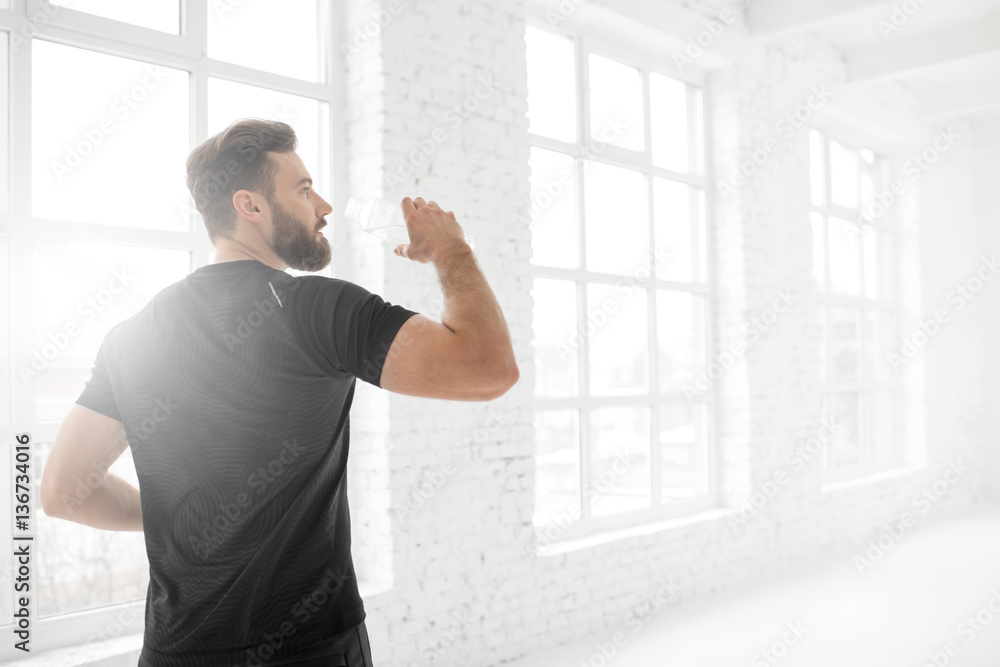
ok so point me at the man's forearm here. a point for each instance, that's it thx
(112, 505)
(471, 309)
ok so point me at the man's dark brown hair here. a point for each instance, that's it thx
(235, 159)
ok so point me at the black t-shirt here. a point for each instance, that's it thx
(234, 387)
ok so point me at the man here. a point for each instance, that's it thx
(233, 389)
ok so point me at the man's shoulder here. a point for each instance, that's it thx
(317, 286)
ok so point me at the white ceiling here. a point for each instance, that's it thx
(945, 54)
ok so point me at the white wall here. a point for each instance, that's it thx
(458, 585)
(986, 176)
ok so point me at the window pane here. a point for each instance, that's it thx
(120, 160)
(683, 451)
(680, 331)
(619, 459)
(869, 184)
(554, 216)
(678, 255)
(551, 85)
(616, 105)
(617, 219)
(4, 124)
(698, 128)
(162, 15)
(557, 467)
(819, 250)
(82, 568)
(817, 167)
(617, 333)
(845, 256)
(5, 361)
(700, 220)
(670, 131)
(286, 38)
(845, 332)
(844, 448)
(556, 338)
(81, 291)
(880, 425)
(843, 175)
(877, 263)
(878, 345)
(229, 102)
(823, 352)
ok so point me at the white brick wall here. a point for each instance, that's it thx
(462, 590)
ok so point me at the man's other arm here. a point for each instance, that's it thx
(468, 356)
(76, 484)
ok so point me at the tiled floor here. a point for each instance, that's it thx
(925, 593)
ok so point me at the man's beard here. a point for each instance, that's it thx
(297, 246)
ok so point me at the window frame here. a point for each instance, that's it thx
(585, 43)
(21, 230)
(827, 299)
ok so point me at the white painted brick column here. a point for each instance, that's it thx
(438, 106)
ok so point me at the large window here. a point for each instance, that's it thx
(620, 287)
(106, 101)
(853, 261)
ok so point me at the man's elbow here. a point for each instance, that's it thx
(506, 378)
(54, 501)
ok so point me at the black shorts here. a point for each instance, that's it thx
(348, 649)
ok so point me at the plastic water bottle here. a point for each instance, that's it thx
(385, 220)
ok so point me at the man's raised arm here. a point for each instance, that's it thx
(468, 356)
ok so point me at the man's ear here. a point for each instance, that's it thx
(248, 205)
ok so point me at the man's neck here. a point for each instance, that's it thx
(229, 250)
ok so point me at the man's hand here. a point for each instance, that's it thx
(434, 234)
